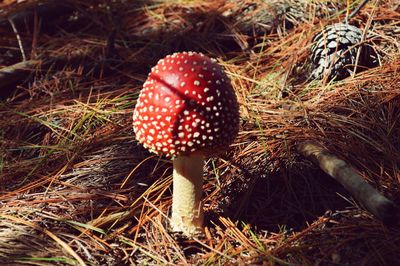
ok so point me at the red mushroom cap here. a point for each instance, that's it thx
(187, 105)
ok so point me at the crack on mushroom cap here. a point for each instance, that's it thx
(194, 111)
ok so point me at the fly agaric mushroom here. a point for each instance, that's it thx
(187, 110)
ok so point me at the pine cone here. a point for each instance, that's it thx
(263, 17)
(334, 52)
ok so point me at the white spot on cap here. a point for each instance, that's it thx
(196, 83)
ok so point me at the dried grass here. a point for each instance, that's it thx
(77, 189)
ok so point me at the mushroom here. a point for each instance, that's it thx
(187, 110)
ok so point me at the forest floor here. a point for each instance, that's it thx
(76, 188)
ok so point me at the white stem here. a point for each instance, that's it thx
(187, 207)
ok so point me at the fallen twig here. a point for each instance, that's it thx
(11, 75)
(346, 175)
(21, 47)
(16, 74)
(355, 11)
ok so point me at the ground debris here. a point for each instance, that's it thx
(76, 187)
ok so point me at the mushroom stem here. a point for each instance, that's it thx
(187, 208)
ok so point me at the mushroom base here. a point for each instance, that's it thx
(187, 207)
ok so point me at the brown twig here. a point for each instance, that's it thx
(346, 175)
(21, 46)
(13, 74)
(356, 10)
